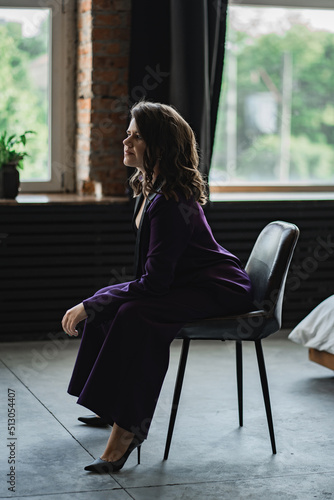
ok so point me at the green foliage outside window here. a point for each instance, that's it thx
(23, 103)
(259, 62)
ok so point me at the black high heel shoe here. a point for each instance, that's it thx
(101, 466)
(93, 421)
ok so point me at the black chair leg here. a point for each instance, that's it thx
(265, 390)
(238, 345)
(177, 393)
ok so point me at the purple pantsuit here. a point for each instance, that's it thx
(182, 274)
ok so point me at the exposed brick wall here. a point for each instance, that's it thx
(102, 92)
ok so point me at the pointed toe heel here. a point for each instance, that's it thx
(93, 421)
(98, 465)
(102, 466)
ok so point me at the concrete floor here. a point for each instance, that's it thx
(210, 458)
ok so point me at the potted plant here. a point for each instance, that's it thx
(11, 156)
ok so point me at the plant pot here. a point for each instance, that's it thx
(9, 181)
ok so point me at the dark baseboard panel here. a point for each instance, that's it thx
(54, 256)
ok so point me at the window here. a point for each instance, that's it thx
(275, 124)
(32, 88)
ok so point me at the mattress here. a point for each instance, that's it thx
(316, 330)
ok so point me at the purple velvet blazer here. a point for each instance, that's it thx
(175, 248)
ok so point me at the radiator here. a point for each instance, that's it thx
(54, 256)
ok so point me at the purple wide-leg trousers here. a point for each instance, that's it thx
(121, 364)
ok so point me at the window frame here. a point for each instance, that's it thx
(293, 188)
(58, 98)
(295, 4)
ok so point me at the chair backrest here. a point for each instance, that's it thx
(268, 266)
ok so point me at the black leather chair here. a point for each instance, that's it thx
(267, 266)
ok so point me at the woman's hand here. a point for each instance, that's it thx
(72, 317)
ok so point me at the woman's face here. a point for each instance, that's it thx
(134, 147)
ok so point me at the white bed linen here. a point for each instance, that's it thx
(317, 328)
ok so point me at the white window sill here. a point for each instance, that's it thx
(272, 196)
(62, 199)
(74, 199)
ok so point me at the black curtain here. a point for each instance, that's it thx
(176, 57)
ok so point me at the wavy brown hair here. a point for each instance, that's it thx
(171, 142)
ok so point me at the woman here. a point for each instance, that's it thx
(182, 274)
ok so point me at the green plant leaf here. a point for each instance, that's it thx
(10, 139)
(9, 154)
